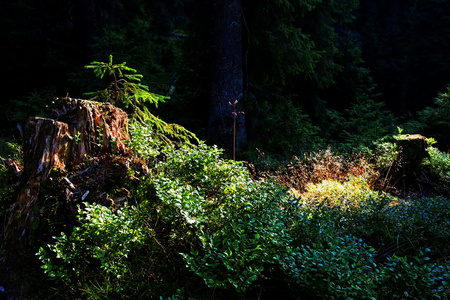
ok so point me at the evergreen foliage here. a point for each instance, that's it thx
(150, 134)
(124, 88)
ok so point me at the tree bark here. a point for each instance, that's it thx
(78, 130)
(227, 84)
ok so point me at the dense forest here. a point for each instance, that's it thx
(226, 149)
(305, 70)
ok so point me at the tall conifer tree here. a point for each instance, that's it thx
(227, 84)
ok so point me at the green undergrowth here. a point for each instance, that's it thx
(323, 225)
(204, 227)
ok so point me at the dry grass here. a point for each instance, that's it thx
(314, 168)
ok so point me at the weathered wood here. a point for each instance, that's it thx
(93, 126)
(78, 130)
(15, 168)
(413, 149)
(46, 144)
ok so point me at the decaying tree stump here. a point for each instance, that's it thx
(413, 149)
(79, 129)
(93, 126)
(79, 152)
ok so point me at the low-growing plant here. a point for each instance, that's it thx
(317, 166)
(439, 163)
(350, 207)
(347, 194)
(235, 225)
(335, 267)
(422, 222)
(415, 278)
(205, 225)
(95, 255)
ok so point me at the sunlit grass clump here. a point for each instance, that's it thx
(349, 193)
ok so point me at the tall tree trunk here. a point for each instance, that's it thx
(86, 26)
(226, 75)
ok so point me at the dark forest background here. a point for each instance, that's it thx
(308, 72)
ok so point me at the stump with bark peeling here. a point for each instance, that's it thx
(76, 132)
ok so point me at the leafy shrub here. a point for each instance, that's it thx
(235, 225)
(336, 267)
(347, 194)
(95, 256)
(350, 207)
(212, 221)
(387, 157)
(421, 223)
(401, 278)
(439, 163)
(10, 149)
(386, 153)
(334, 260)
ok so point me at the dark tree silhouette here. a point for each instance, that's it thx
(226, 72)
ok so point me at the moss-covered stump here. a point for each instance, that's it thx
(78, 154)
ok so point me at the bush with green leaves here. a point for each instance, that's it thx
(349, 207)
(348, 194)
(215, 230)
(335, 267)
(420, 223)
(439, 163)
(335, 259)
(386, 153)
(235, 226)
(414, 278)
(95, 255)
